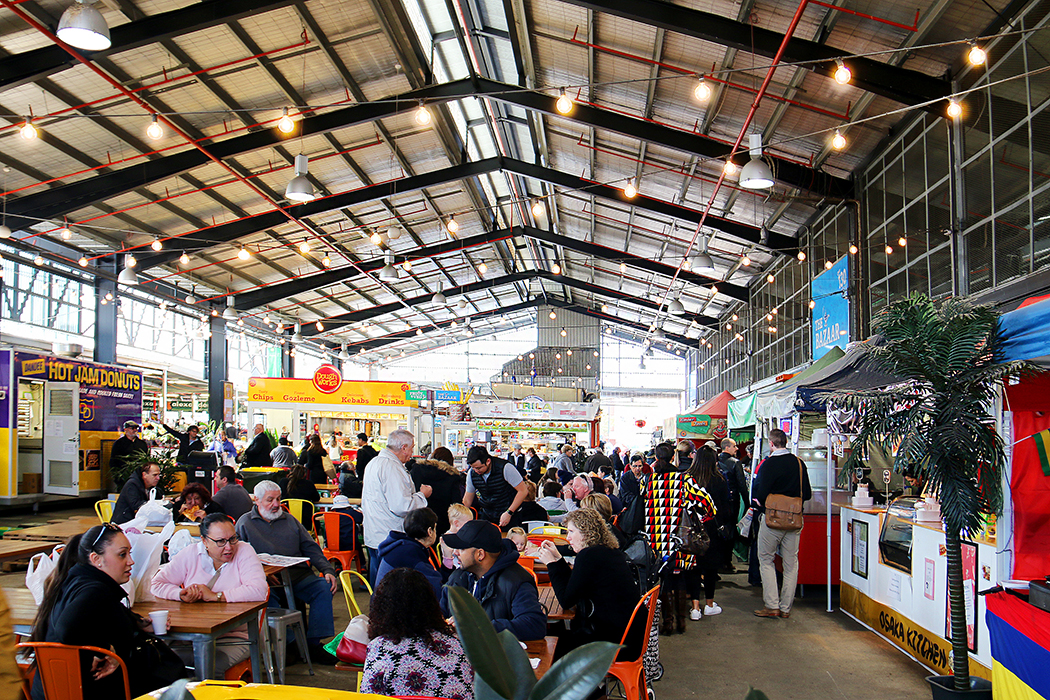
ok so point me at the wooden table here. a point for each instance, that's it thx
(193, 528)
(203, 623)
(23, 549)
(550, 603)
(543, 649)
(23, 609)
(326, 502)
(58, 532)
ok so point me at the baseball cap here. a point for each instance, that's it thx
(131, 424)
(476, 533)
(340, 502)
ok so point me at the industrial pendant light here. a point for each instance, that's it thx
(756, 175)
(389, 272)
(297, 337)
(84, 27)
(343, 354)
(675, 307)
(299, 188)
(229, 313)
(703, 264)
(127, 276)
(439, 297)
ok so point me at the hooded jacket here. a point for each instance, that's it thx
(507, 593)
(131, 498)
(400, 551)
(447, 487)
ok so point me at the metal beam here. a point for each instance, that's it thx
(899, 84)
(28, 66)
(64, 199)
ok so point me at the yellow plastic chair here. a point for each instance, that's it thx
(104, 510)
(548, 530)
(346, 578)
(303, 511)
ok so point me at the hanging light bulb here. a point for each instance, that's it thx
(889, 250)
(407, 266)
(243, 253)
(702, 91)
(745, 261)
(564, 103)
(954, 108)
(304, 247)
(452, 226)
(83, 262)
(838, 141)
(842, 74)
(299, 188)
(326, 261)
(422, 114)
(812, 304)
(28, 131)
(66, 233)
(976, 55)
(156, 245)
(828, 264)
(563, 332)
(551, 316)
(770, 278)
(285, 124)
(623, 267)
(605, 308)
(155, 131)
(729, 168)
(319, 326)
(556, 268)
(376, 238)
(902, 241)
(190, 299)
(483, 268)
(630, 190)
(538, 209)
(184, 259)
(801, 256)
(130, 261)
(853, 249)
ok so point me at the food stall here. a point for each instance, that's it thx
(326, 402)
(59, 418)
(535, 422)
(703, 423)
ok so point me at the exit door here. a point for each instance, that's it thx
(62, 438)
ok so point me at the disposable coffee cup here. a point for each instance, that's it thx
(159, 618)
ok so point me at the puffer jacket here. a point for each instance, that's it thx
(399, 551)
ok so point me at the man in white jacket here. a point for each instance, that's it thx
(388, 494)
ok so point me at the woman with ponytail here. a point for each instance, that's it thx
(83, 605)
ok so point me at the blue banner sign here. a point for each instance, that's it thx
(442, 395)
(830, 316)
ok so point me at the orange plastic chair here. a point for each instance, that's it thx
(529, 564)
(59, 668)
(336, 550)
(303, 511)
(632, 673)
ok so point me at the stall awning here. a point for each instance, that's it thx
(855, 370)
(780, 400)
(716, 407)
(742, 412)
(1025, 331)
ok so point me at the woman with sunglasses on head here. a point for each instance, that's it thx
(83, 605)
(218, 569)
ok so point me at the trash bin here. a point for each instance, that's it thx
(200, 467)
(250, 476)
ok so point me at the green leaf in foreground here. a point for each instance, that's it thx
(577, 673)
(480, 643)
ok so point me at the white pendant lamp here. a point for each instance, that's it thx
(676, 307)
(229, 313)
(703, 264)
(343, 354)
(297, 337)
(84, 27)
(5, 231)
(756, 175)
(439, 297)
(127, 276)
(388, 273)
(299, 188)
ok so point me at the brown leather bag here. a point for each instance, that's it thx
(785, 512)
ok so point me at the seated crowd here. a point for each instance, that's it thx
(425, 525)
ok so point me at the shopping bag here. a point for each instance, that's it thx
(146, 552)
(40, 567)
(353, 647)
(179, 541)
(155, 512)
(743, 525)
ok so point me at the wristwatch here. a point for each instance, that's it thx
(221, 596)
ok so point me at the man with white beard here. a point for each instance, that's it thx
(270, 529)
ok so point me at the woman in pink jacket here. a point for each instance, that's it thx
(218, 569)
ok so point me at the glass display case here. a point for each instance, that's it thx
(895, 540)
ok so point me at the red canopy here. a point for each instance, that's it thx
(718, 407)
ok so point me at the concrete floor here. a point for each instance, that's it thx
(815, 654)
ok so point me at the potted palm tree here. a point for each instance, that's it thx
(938, 420)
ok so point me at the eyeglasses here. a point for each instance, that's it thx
(102, 530)
(222, 543)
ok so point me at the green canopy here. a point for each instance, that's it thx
(749, 409)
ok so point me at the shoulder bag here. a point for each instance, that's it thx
(785, 512)
(691, 530)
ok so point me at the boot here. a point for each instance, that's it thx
(666, 612)
(682, 610)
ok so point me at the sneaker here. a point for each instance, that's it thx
(694, 614)
(712, 609)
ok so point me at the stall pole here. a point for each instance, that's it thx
(827, 439)
(164, 396)
(433, 420)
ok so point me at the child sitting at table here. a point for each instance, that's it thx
(521, 541)
(458, 516)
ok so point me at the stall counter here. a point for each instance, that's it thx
(910, 609)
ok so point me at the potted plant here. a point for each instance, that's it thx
(168, 470)
(501, 666)
(938, 420)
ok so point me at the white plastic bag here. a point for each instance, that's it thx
(155, 512)
(743, 526)
(146, 552)
(178, 542)
(40, 567)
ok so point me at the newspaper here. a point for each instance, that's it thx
(279, 560)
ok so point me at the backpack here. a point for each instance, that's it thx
(632, 521)
(642, 560)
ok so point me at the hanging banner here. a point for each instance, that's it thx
(300, 391)
(534, 426)
(534, 408)
(830, 315)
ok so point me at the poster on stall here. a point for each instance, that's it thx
(859, 564)
(969, 572)
(830, 315)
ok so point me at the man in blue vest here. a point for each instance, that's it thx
(497, 486)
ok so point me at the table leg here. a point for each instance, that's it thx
(255, 648)
(204, 656)
(286, 576)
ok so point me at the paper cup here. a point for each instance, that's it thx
(159, 618)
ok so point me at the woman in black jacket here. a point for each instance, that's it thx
(445, 481)
(599, 585)
(705, 472)
(312, 457)
(193, 504)
(83, 606)
(298, 485)
(534, 465)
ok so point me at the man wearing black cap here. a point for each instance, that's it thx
(491, 572)
(496, 485)
(126, 446)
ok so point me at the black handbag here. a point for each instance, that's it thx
(692, 533)
(152, 664)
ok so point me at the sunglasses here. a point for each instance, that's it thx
(102, 531)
